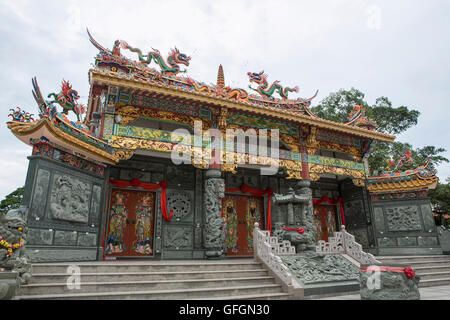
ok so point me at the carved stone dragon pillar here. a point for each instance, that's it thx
(213, 236)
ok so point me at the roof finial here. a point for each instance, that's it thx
(220, 77)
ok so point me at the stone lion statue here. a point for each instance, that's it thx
(13, 232)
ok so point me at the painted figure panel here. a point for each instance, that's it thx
(130, 223)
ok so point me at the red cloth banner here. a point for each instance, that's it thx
(136, 183)
(258, 193)
(408, 271)
(299, 230)
(333, 202)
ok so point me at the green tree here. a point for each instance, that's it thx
(11, 201)
(337, 106)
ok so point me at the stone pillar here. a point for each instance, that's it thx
(213, 236)
(303, 188)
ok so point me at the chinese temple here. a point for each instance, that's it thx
(107, 186)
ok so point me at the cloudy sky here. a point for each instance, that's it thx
(398, 49)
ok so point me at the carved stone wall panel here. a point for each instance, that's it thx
(40, 236)
(234, 180)
(354, 213)
(427, 241)
(407, 241)
(378, 217)
(178, 237)
(404, 218)
(428, 219)
(387, 242)
(360, 235)
(65, 238)
(69, 199)
(55, 255)
(96, 204)
(37, 207)
(87, 239)
(181, 176)
(180, 203)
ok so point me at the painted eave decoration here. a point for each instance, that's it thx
(421, 178)
(56, 127)
(114, 69)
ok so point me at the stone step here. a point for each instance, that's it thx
(147, 276)
(417, 264)
(116, 267)
(90, 287)
(191, 294)
(411, 259)
(434, 275)
(420, 270)
(266, 296)
(434, 282)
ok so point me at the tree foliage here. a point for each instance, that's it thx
(391, 120)
(383, 152)
(11, 201)
(338, 105)
(441, 195)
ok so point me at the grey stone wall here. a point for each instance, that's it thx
(405, 227)
(65, 206)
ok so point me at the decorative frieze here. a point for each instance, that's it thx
(404, 218)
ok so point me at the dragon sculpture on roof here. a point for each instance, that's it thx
(174, 59)
(66, 98)
(263, 86)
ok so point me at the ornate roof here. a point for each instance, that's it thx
(113, 68)
(421, 178)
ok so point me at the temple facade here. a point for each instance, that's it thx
(153, 168)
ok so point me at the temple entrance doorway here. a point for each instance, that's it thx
(240, 214)
(130, 224)
(325, 221)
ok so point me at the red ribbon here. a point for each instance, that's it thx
(136, 183)
(408, 271)
(299, 230)
(258, 193)
(333, 202)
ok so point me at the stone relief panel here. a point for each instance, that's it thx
(361, 236)
(378, 219)
(69, 198)
(39, 201)
(427, 241)
(40, 236)
(178, 238)
(234, 180)
(96, 203)
(407, 241)
(65, 238)
(180, 203)
(428, 219)
(404, 218)
(180, 176)
(387, 242)
(87, 239)
(354, 212)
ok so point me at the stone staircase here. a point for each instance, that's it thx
(433, 270)
(155, 280)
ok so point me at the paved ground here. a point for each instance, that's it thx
(428, 293)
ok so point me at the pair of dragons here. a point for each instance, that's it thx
(176, 58)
